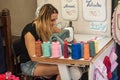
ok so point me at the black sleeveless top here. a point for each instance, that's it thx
(24, 57)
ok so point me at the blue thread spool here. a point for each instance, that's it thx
(46, 48)
(76, 51)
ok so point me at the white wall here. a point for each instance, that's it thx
(80, 25)
(23, 12)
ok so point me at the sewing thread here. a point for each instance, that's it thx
(56, 49)
(65, 52)
(86, 51)
(38, 48)
(46, 48)
(76, 52)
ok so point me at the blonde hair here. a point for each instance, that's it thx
(43, 27)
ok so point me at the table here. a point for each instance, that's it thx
(105, 46)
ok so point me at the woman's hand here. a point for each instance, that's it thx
(56, 29)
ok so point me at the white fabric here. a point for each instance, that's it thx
(71, 34)
(75, 72)
(100, 71)
(113, 57)
(98, 75)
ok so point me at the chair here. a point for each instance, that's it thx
(16, 46)
(16, 53)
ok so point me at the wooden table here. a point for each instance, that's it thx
(63, 63)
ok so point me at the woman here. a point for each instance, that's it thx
(40, 29)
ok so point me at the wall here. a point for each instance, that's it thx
(22, 12)
(81, 25)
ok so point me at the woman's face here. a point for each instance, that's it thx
(54, 17)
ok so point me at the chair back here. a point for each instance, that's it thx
(16, 50)
(16, 46)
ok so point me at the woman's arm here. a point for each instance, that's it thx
(30, 44)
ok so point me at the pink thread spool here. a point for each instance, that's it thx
(56, 49)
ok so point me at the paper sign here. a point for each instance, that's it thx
(94, 10)
(98, 26)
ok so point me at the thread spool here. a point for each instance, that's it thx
(96, 46)
(76, 51)
(86, 51)
(82, 50)
(65, 52)
(92, 48)
(38, 48)
(46, 48)
(56, 49)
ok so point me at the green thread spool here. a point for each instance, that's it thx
(92, 48)
(46, 48)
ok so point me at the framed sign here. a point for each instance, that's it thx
(94, 10)
(69, 9)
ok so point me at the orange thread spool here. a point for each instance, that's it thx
(86, 51)
(38, 48)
